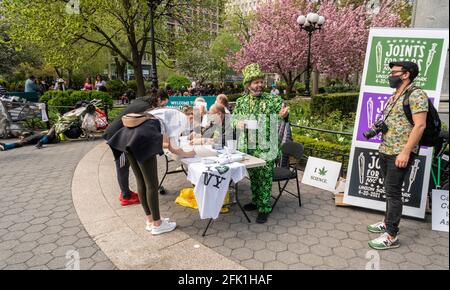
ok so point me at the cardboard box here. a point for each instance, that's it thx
(339, 193)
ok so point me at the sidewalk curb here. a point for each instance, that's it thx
(120, 233)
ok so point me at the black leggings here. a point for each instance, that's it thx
(146, 174)
(122, 173)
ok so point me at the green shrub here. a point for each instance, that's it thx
(63, 99)
(176, 82)
(47, 96)
(327, 103)
(16, 86)
(299, 86)
(301, 114)
(299, 109)
(132, 85)
(114, 113)
(324, 149)
(340, 88)
(116, 87)
(4, 83)
(148, 85)
(288, 96)
(233, 97)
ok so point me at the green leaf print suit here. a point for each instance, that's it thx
(260, 108)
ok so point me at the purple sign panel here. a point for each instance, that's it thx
(372, 108)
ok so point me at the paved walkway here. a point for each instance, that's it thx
(318, 235)
(38, 222)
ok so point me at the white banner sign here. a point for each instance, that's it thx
(321, 173)
(440, 210)
(427, 48)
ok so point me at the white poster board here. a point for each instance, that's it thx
(428, 48)
(321, 173)
(440, 210)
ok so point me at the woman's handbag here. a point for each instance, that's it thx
(133, 120)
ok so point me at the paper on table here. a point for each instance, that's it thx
(192, 160)
(237, 153)
(204, 151)
(229, 159)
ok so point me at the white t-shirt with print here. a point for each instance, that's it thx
(211, 185)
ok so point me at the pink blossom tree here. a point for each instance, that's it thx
(279, 46)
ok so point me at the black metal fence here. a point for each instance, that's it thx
(334, 155)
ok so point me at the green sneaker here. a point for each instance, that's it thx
(377, 228)
(384, 242)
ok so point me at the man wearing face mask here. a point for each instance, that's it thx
(399, 147)
(255, 102)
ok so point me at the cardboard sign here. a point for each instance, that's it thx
(440, 210)
(322, 173)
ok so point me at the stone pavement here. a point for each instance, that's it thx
(38, 222)
(317, 235)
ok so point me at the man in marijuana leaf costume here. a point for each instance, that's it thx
(265, 109)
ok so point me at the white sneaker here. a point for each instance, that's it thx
(149, 226)
(165, 227)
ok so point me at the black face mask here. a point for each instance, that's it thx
(395, 82)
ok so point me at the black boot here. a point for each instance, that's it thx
(39, 145)
(250, 207)
(262, 218)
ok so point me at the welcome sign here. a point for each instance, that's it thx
(427, 48)
(179, 101)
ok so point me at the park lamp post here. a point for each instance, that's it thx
(310, 23)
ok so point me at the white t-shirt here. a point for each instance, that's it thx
(211, 185)
(99, 84)
(173, 122)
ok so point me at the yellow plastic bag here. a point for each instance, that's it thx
(187, 198)
(226, 209)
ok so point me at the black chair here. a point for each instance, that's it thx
(284, 174)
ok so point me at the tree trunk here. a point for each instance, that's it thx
(120, 68)
(58, 72)
(138, 76)
(357, 78)
(289, 82)
(315, 82)
(69, 78)
(289, 86)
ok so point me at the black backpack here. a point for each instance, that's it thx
(430, 137)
